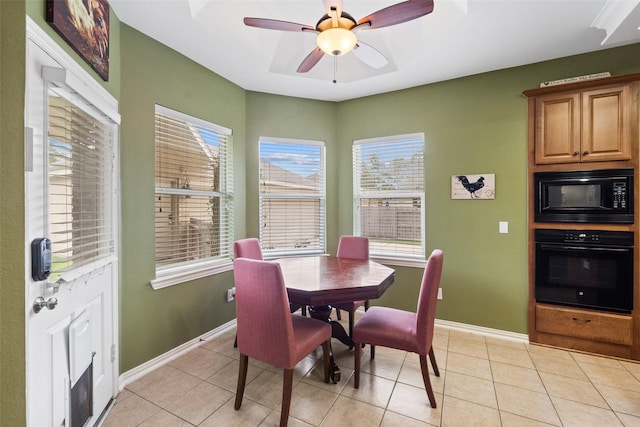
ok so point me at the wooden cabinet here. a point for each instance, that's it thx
(583, 126)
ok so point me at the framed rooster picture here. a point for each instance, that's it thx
(84, 24)
(473, 187)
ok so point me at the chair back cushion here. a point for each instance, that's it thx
(264, 326)
(247, 248)
(354, 247)
(426, 312)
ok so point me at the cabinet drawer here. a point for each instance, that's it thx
(614, 328)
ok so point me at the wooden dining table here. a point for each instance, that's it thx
(319, 281)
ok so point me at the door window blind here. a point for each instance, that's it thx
(80, 143)
(292, 196)
(194, 206)
(388, 188)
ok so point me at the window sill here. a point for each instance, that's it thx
(400, 262)
(178, 275)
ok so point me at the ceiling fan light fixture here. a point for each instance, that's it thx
(336, 41)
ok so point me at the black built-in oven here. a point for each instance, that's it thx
(585, 268)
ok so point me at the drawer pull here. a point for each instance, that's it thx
(579, 320)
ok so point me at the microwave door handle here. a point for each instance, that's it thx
(584, 248)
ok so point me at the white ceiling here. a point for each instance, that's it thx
(459, 38)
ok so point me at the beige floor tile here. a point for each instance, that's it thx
(164, 385)
(466, 336)
(596, 360)
(565, 366)
(350, 412)
(227, 378)
(611, 376)
(468, 346)
(391, 419)
(413, 402)
(273, 420)
(197, 404)
(633, 367)
(382, 366)
(472, 389)
(575, 414)
(565, 388)
(461, 413)
(510, 355)
(469, 365)
(621, 400)
(165, 419)
(629, 420)
(373, 390)
(512, 420)
(525, 378)
(411, 374)
(129, 411)
(201, 363)
(526, 403)
(223, 344)
(250, 414)
(555, 352)
(502, 342)
(311, 404)
(266, 389)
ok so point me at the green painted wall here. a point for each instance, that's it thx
(12, 339)
(154, 322)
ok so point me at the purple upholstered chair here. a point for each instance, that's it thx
(404, 330)
(268, 332)
(250, 248)
(353, 247)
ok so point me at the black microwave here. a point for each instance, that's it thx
(585, 196)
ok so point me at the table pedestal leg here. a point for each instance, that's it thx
(323, 312)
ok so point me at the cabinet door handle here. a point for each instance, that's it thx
(586, 153)
(580, 320)
(576, 153)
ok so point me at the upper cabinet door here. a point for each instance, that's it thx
(606, 124)
(557, 128)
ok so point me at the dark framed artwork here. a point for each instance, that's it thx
(84, 24)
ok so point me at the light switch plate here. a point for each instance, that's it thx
(503, 227)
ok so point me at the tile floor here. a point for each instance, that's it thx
(483, 381)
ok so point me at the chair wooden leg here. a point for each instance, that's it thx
(304, 310)
(287, 387)
(373, 351)
(242, 379)
(326, 357)
(427, 382)
(432, 357)
(235, 343)
(351, 316)
(356, 360)
(338, 315)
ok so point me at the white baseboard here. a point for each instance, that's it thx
(480, 330)
(153, 364)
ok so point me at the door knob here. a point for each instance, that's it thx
(41, 303)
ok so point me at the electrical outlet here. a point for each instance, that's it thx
(439, 293)
(231, 294)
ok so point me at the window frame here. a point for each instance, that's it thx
(184, 271)
(389, 257)
(321, 197)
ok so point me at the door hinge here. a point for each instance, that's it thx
(113, 353)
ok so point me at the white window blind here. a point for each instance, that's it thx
(292, 196)
(194, 206)
(388, 188)
(80, 185)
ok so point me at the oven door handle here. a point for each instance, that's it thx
(584, 248)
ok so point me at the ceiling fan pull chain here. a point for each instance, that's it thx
(335, 68)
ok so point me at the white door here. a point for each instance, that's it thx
(70, 206)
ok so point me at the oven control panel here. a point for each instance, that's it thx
(581, 236)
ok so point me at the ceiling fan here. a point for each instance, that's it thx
(337, 29)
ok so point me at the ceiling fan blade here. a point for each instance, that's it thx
(328, 4)
(398, 13)
(369, 55)
(274, 24)
(311, 60)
